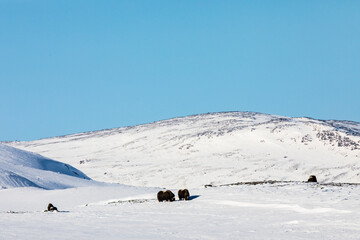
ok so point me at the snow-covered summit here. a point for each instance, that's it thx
(216, 148)
(20, 168)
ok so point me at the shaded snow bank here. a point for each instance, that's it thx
(20, 168)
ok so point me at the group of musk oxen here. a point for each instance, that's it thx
(170, 197)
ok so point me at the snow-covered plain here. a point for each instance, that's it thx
(278, 211)
(190, 152)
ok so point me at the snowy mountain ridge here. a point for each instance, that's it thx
(216, 148)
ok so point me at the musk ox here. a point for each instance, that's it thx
(169, 196)
(312, 178)
(165, 196)
(51, 208)
(183, 194)
(161, 196)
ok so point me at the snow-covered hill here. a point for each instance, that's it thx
(214, 148)
(19, 168)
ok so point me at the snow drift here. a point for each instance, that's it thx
(20, 168)
(216, 148)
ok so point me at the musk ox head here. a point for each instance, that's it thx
(183, 194)
(312, 178)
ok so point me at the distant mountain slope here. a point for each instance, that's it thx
(19, 168)
(212, 148)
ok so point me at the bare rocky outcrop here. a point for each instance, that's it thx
(335, 139)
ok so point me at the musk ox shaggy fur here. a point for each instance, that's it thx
(183, 194)
(312, 178)
(165, 196)
(51, 208)
(161, 196)
(169, 196)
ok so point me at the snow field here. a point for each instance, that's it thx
(268, 211)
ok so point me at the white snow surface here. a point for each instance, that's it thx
(216, 148)
(267, 211)
(187, 152)
(19, 168)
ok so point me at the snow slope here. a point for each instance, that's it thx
(216, 148)
(19, 168)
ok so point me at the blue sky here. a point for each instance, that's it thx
(72, 66)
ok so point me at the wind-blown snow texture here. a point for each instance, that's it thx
(19, 168)
(214, 148)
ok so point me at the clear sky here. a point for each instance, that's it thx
(72, 66)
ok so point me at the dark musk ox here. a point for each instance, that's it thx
(165, 196)
(161, 196)
(312, 178)
(169, 196)
(51, 208)
(183, 194)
